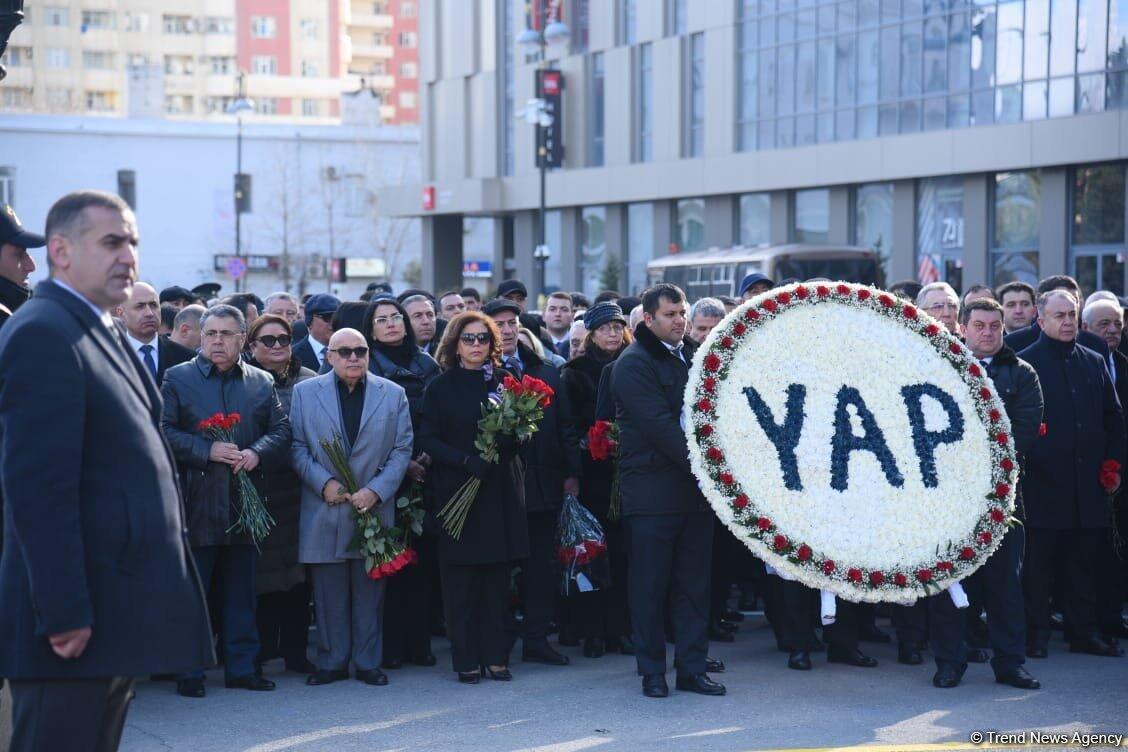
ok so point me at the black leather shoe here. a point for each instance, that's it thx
(304, 666)
(716, 634)
(975, 655)
(800, 660)
(654, 685)
(502, 675)
(947, 676)
(190, 688)
(701, 684)
(317, 678)
(909, 655)
(1095, 646)
(252, 682)
(714, 665)
(542, 652)
(424, 660)
(870, 633)
(469, 677)
(855, 658)
(392, 664)
(1020, 678)
(733, 616)
(1036, 651)
(373, 677)
(593, 647)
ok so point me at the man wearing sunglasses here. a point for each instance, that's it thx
(319, 310)
(371, 417)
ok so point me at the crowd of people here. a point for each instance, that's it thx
(121, 516)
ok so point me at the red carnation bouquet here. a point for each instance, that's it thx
(603, 444)
(386, 550)
(580, 549)
(251, 516)
(1110, 475)
(516, 410)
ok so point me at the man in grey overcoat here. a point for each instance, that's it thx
(371, 417)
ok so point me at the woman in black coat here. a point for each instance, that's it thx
(599, 617)
(474, 569)
(395, 356)
(283, 593)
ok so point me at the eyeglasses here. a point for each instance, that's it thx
(271, 340)
(943, 307)
(470, 339)
(213, 334)
(395, 318)
(348, 352)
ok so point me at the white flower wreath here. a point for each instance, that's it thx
(851, 442)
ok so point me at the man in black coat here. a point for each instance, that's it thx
(96, 578)
(1068, 477)
(1000, 578)
(319, 310)
(552, 469)
(1105, 318)
(668, 522)
(141, 317)
(1024, 338)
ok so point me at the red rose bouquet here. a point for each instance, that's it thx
(1110, 475)
(580, 549)
(251, 516)
(516, 411)
(603, 444)
(386, 549)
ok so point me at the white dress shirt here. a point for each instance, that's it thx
(135, 345)
(105, 316)
(318, 350)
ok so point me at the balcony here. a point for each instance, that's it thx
(371, 22)
(368, 51)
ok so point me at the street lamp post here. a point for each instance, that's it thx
(553, 32)
(237, 107)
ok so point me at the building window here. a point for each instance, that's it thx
(97, 19)
(136, 21)
(593, 248)
(407, 9)
(97, 60)
(409, 70)
(1097, 237)
(408, 39)
(311, 107)
(940, 231)
(220, 25)
(810, 216)
(222, 65)
(18, 57)
(596, 111)
(58, 57)
(580, 23)
(627, 21)
(380, 38)
(179, 65)
(101, 101)
(675, 17)
(178, 104)
(689, 224)
(311, 29)
(310, 69)
(873, 221)
(746, 70)
(407, 100)
(264, 65)
(218, 105)
(266, 105)
(755, 220)
(640, 246)
(380, 7)
(644, 104)
(264, 27)
(177, 24)
(54, 15)
(693, 115)
(1014, 222)
(554, 239)
(15, 97)
(8, 182)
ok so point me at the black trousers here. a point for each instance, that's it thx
(76, 715)
(999, 584)
(540, 584)
(669, 571)
(771, 591)
(799, 615)
(726, 549)
(407, 606)
(476, 597)
(283, 624)
(605, 613)
(1112, 586)
(910, 623)
(1080, 550)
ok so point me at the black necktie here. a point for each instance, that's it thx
(150, 362)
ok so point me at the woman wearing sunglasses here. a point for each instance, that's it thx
(283, 592)
(474, 570)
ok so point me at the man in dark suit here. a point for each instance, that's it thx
(96, 578)
(558, 313)
(141, 317)
(1024, 338)
(1064, 489)
(668, 523)
(1105, 318)
(319, 310)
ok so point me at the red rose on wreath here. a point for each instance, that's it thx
(714, 454)
(710, 384)
(909, 312)
(944, 566)
(828, 566)
(727, 479)
(900, 580)
(973, 369)
(1002, 438)
(843, 290)
(739, 329)
(932, 330)
(803, 553)
(726, 342)
(925, 575)
(888, 303)
(740, 501)
(763, 523)
(752, 314)
(801, 292)
(705, 431)
(985, 393)
(863, 294)
(1007, 464)
(780, 543)
(770, 306)
(967, 553)
(784, 297)
(854, 575)
(994, 415)
(1002, 490)
(998, 515)
(876, 578)
(985, 539)
(712, 362)
(704, 405)
(822, 290)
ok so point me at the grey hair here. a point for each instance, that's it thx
(415, 299)
(710, 307)
(1093, 306)
(1049, 295)
(279, 296)
(933, 287)
(224, 311)
(190, 314)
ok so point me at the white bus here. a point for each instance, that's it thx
(718, 271)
